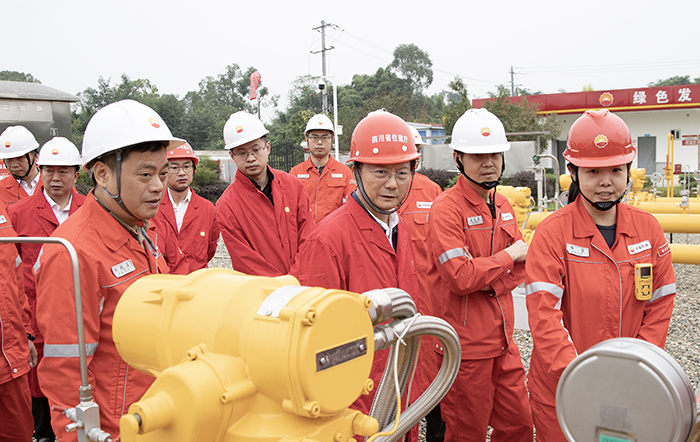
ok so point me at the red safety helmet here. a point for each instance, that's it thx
(382, 138)
(599, 138)
(183, 152)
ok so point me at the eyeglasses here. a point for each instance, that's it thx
(176, 169)
(385, 174)
(257, 153)
(315, 138)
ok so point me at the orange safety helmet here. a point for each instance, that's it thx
(183, 152)
(382, 138)
(599, 138)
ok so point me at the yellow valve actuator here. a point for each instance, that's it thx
(245, 358)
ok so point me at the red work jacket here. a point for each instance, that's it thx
(328, 191)
(349, 251)
(581, 292)
(415, 212)
(194, 245)
(33, 216)
(263, 239)
(14, 309)
(110, 260)
(467, 254)
(11, 191)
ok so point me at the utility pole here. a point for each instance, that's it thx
(512, 82)
(324, 89)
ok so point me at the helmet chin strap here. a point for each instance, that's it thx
(29, 169)
(118, 198)
(366, 198)
(603, 206)
(488, 185)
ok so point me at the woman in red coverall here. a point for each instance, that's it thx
(581, 265)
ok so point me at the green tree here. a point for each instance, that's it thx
(522, 117)
(207, 109)
(92, 100)
(413, 64)
(674, 81)
(458, 104)
(18, 76)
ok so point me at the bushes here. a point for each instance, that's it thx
(440, 176)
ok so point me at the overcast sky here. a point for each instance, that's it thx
(552, 44)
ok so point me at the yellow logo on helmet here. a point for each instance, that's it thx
(485, 131)
(154, 122)
(54, 151)
(239, 129)
(601, 141)
(7, 144)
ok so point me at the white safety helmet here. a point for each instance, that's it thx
(242, 128)
(59, 151)
(319, 122)
(122, 124)
(16, 141)
(416, 136)
(479, 131)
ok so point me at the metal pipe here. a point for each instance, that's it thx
(556, 180)
(666, 207)
(685, 253)
(85, 389)
(678, 223)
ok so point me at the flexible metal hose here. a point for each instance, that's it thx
(384, 406)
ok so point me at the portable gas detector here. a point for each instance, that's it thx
(642, 281)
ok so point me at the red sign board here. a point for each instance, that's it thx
(620, 100)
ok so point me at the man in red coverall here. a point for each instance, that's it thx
(186, 222)
(264, 214)
(18, 150)
(365, 245)
(16, 347)
(124, 150)
(477, 259)
(415, 212)
(581, 265)
(40, 215)
(327, 181)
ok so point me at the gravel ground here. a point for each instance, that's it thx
(683, 336)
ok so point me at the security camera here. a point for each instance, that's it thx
(321, 86)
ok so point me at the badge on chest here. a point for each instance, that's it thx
(123, 268)
(579, 251)
(475, 220)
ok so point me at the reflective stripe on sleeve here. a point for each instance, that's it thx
(452, 253)
(18, 261)
(67, 350)
(36, 264)
(659, 293)
(545, 287)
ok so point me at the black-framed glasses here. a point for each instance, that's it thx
(242, 155)
(324, 138)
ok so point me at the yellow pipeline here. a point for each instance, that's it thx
(685, 254)
(669, 166)
(665, 206)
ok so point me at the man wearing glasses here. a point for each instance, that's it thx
(327, 181)
(186, 222)
(264, 214)
(39, 215)
(365, 245)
